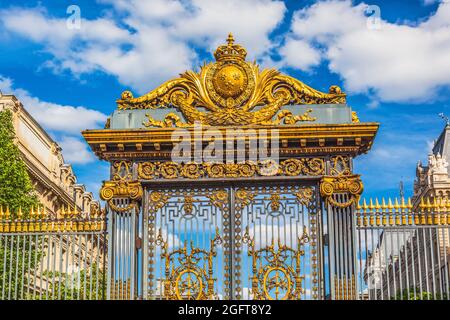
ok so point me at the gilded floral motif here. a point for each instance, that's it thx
(248, 169)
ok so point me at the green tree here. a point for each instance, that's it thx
(416, 294)
(18, 253)
(16, 189)
(86, 284)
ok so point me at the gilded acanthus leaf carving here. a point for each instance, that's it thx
(230, 91)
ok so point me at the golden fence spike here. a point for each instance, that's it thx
(409, 204)
(358, 204)
(396, 205)
(20, 213)
(390, 206)
(365, 207)
(402, 205)
(371, 206)
(1, 212)
(422, 204)
(377, 205)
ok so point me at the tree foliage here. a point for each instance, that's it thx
(16, 189)
(417, 294)
(17, 253)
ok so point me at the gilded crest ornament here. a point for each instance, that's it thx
(276, 268)
(230, 91)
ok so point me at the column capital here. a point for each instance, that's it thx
(349, 184)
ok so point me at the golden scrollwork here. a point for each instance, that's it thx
(276, 271)
(122, 170)
(340, 166)
(275, 201)
(243, 198)
(219, 199)
(303, 166)
(230, 90)
(305, 195)
(131, 190)
(157, 200)
(188, 205)
(248, 169)
(189, 273)
(355, 118)
(350, 185)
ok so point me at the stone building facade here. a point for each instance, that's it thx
(418, 257)
(54, 180)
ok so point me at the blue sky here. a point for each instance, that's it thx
(396, 73)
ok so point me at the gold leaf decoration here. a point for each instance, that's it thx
(228, 92)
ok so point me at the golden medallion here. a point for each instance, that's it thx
(230, 81)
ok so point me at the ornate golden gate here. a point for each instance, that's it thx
(232, 183)
(225, 237)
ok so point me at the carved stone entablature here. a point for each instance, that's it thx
(351, 186)
(432, 180)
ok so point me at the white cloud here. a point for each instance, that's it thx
(287, 234)
(58, 119)
(299, 54)
(402, 63)
(428, 2)
(75, 151)
(52, 116)
(153, 42)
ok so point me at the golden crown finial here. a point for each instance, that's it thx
(230, 51)
(230, 39)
